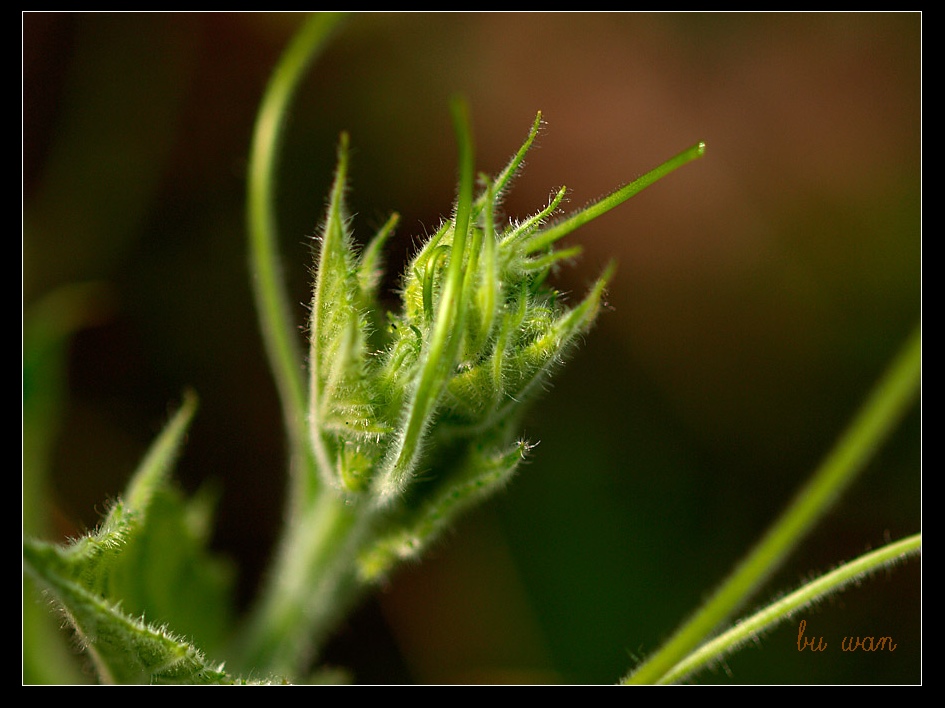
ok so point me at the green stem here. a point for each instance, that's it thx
(308, 585)
(279, 328)
(312, 584)
(557, 231)
(882, 411)
(775, 613)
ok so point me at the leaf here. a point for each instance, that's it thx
(122, 586)
(48, 326)
(124, 649)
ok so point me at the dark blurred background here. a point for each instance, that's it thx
(760, 293)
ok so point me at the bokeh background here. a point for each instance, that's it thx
(760, 293)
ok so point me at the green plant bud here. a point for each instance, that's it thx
(478, 331)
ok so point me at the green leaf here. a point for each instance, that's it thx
(48, 326)
(124, 649)
(166, 560)
(121, 586)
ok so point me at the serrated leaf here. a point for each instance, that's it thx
(124, 649)
(165, 561)
(48, 326)
(122, 586)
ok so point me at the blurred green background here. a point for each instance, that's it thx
(760, 293)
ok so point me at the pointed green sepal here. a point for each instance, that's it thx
(343, 423)
(480, 474)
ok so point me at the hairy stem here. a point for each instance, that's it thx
(312, 584)
(877, 418)
(292, 613)
(278, 326)
(775, 613)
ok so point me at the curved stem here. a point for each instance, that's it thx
(772, 615)
(278, 327)
(293, 610)
(883, 409)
